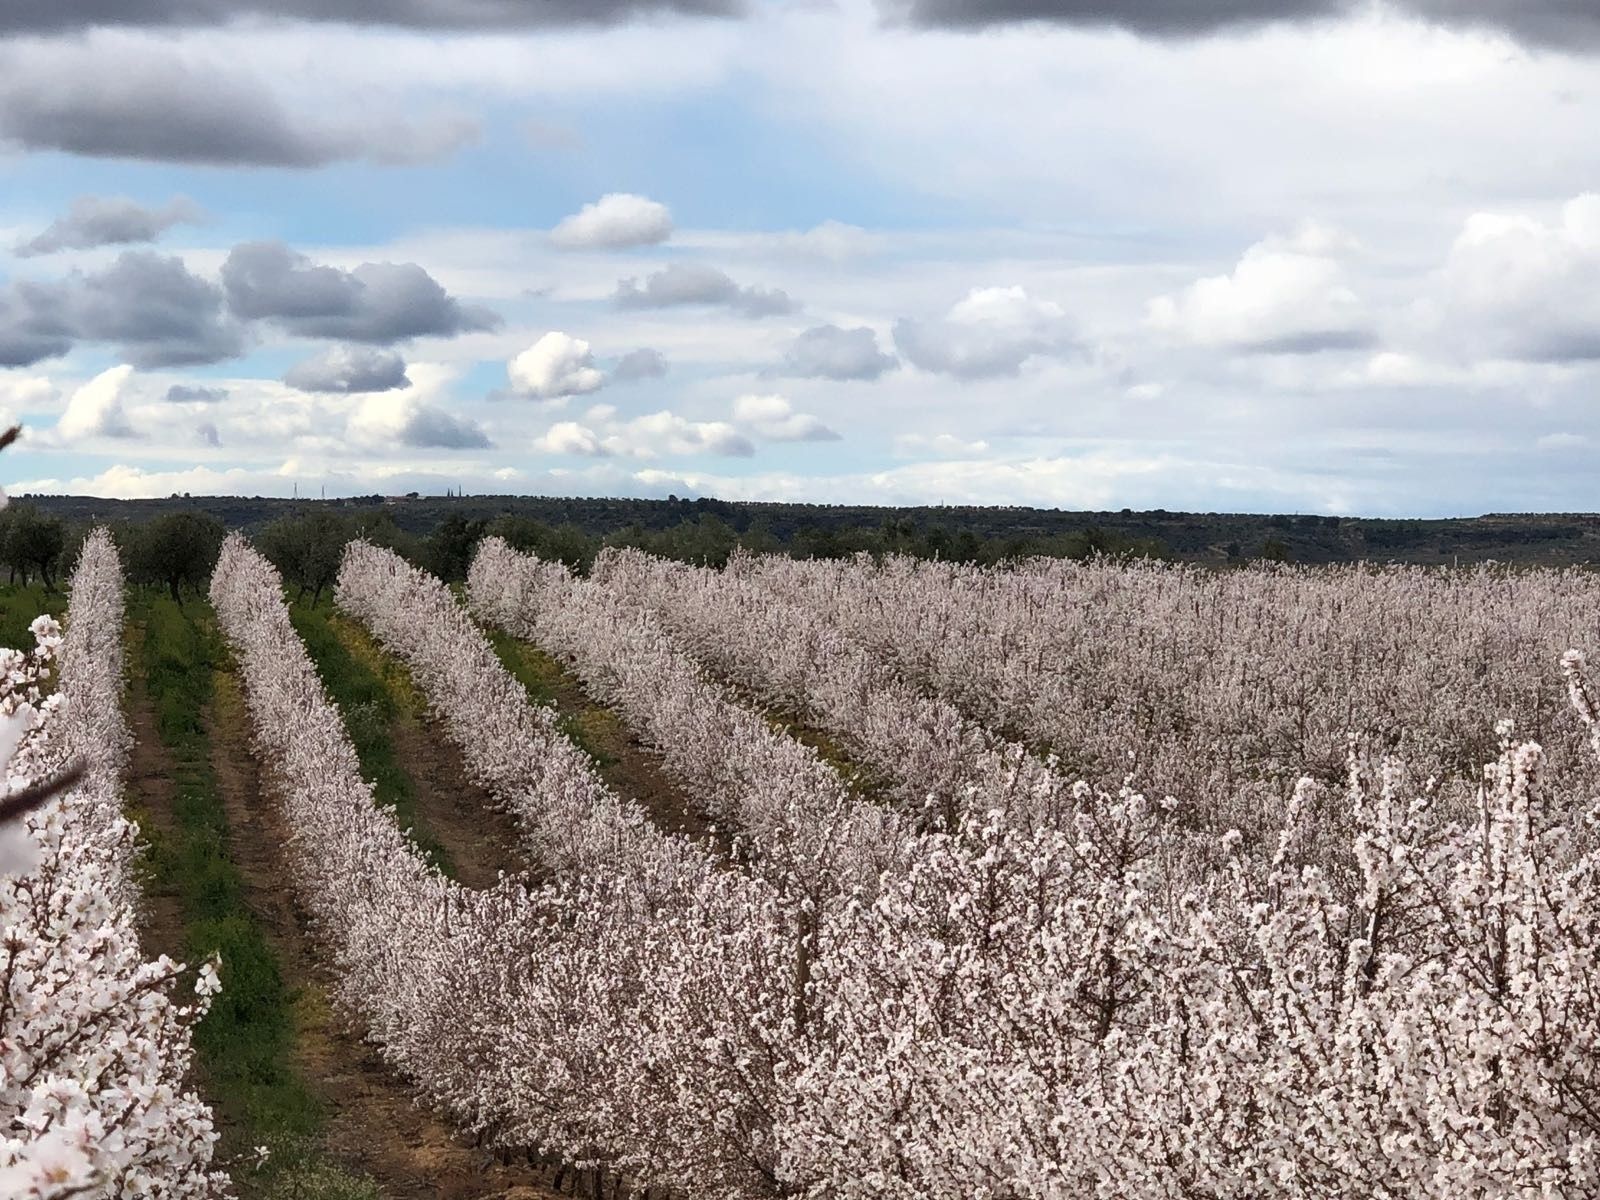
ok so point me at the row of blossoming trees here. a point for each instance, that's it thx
(1222, 688)
(94, 1045)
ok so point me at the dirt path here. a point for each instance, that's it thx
(149, 793)
(373, 1125)
(480, 839)
(864, 782)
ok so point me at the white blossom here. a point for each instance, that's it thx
(94, 1048)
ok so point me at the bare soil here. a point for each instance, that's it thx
(149, 793)
(480, 839)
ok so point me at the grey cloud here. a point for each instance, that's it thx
(153, 105)
(207, 433)
(692, 283)
(157, 311)
(1314, 342)
(1561, 345)
(377, 302)
(829, 352)
(640, 364)
(433, 428)
(109, 221)
(349, 369)
(811, 430)
(70, 15)
(20, 347)
(149, 305)
(1556, 23)
(1555, 339)
(180, 393)
(34, 323)
(1161, 18)
(267, 279)
(964, 352)
(1560, 23)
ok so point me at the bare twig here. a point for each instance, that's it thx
(20, 803)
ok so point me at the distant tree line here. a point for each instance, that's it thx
(176, 551)
(704, 538)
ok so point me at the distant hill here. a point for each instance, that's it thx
(1215, 538)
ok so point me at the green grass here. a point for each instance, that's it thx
(246, 1041)
(19, 605)
(592, 727)
(374, 692)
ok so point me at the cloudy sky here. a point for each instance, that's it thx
(1305, 255)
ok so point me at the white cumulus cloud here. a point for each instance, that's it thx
(992, 332)
(555, 366)
(96, 409)
(1523, 288)
(25, 392)
(774, 418)
(1285, 295)
(569, 437)
(616, 220)
(602, 435)
(416, 416)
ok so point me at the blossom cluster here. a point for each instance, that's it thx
(94, 1046)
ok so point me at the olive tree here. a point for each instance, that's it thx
(306, 549)
(176, 550)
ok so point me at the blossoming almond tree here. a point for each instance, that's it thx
(94, 1047)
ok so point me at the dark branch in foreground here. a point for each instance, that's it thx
(20, 803)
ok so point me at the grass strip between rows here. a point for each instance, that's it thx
(373, 691)
(245, 1043)
(594, 728)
